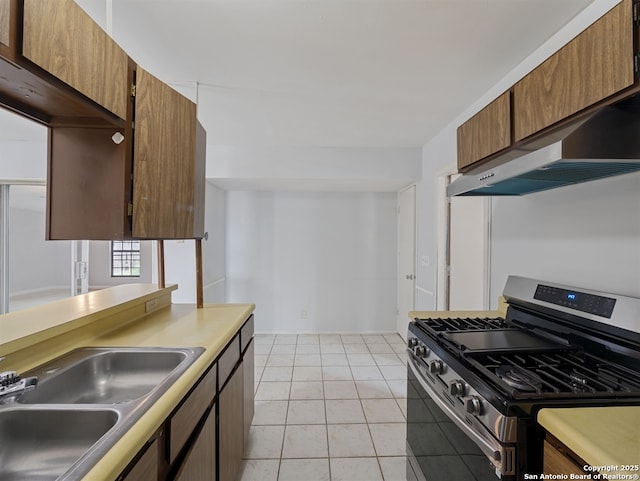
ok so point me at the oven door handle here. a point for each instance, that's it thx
(489, 447)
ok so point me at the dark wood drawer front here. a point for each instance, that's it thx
(230, 428)
(246, 333)
(228, 360)
(146, 468)
(184, 421)
(249, 388)
(200, 462)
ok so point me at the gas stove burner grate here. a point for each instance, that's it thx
(557, 374)
(445, 324)
(519, 378)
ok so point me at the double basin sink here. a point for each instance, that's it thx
(84, 402)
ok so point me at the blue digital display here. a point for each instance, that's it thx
(580, 301)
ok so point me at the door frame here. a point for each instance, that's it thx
(443, 239)
(401, 317)
(4, 248)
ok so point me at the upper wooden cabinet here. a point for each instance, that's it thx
(169, 163)
(5, 22)
(150, 186)
(486, 133)
(595, 65)
(58, 67)
(88, 184)
(62, 39)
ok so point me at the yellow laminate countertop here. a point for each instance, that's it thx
(500, 312)
(80, 322)
(601, 436)
(430, 314)
(23, 328)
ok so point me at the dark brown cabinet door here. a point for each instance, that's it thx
(200, 462)
(168, 165)
(231, 427)
(187, 417)
(5, 22)
(486, 133)
(88, 185)
(556, 462)
(595, 65)
(249, 389)
(146, 469)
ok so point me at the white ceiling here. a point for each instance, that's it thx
(330, 73)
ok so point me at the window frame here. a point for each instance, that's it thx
(129, 252)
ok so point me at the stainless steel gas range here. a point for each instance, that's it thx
(475, 386)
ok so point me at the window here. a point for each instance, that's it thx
(125, 258)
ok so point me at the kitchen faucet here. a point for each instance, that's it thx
(12, 385)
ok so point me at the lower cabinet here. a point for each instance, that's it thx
(560, 460)
(249, 388)
(200, 462)
(146, 467)
(230, 428)
(204, 438)
(185, 420)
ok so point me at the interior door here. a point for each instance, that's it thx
(406, 257)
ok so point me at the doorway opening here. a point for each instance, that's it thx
(464, 249)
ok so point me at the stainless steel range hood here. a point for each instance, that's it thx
(602, 144)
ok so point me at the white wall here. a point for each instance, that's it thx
(595, 245)
(312, 261)
(24, 159)
(214, 248)
(586, 235)
(35, 263)
(439, 159)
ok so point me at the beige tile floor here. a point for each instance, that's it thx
(328, 407)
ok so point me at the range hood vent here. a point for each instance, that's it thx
(603, 144)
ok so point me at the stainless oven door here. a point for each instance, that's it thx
(439, 444)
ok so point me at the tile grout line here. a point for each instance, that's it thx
(323, 392)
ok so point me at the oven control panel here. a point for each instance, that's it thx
(581, 301)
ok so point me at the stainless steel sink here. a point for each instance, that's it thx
(41, 444)
(105, 376)
(83, 403)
